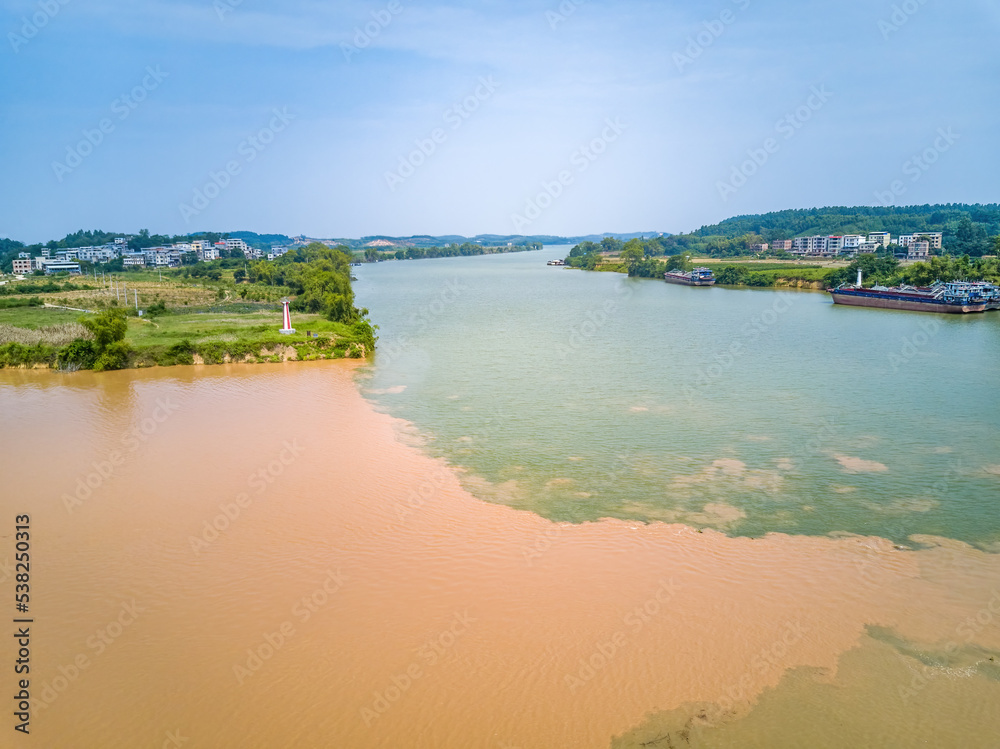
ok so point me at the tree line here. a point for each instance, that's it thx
(466, 249)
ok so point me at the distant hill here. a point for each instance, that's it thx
(260, 241)
(492, 240)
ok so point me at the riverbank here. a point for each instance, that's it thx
(752, 273)
(38, 337)
(331, 583)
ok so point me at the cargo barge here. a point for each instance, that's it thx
(697, 277)
(953, 298)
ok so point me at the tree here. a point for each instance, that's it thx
(632, 255)
(109, 346)
(611, 245)
(681, 262)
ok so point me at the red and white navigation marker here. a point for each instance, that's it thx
(287, 328)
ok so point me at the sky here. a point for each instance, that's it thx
(565, 117)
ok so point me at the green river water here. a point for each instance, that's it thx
(587, 395)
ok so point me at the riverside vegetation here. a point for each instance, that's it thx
(202, 314)
(639, 259)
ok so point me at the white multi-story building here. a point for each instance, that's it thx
(818, 245)
(236, 244)
(134, 261)
(883, 238)
(208, 255)
(800, 245)
(868, 248)
(932, 238)
(834, 244)
(852, 242)
(99, 254)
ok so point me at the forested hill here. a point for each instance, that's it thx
(966, 228)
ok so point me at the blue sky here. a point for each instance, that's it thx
(473, 117)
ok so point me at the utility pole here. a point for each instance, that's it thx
(136, 292)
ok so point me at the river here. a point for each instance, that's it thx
(515, 529)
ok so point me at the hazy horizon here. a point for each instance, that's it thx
(563, 118)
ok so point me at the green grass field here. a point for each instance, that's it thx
(234, 331)
(225, 326)
(34, 318)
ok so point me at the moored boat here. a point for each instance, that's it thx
(696, 277)
(954, 297)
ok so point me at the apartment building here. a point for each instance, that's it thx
(237, 244)
(932, 238)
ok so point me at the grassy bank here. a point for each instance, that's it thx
(95, 326)
(38, 336)
(754, 273)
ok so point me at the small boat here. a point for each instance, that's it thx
(696, 277)
(556, 262)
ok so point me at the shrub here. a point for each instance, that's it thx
(79, 354)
